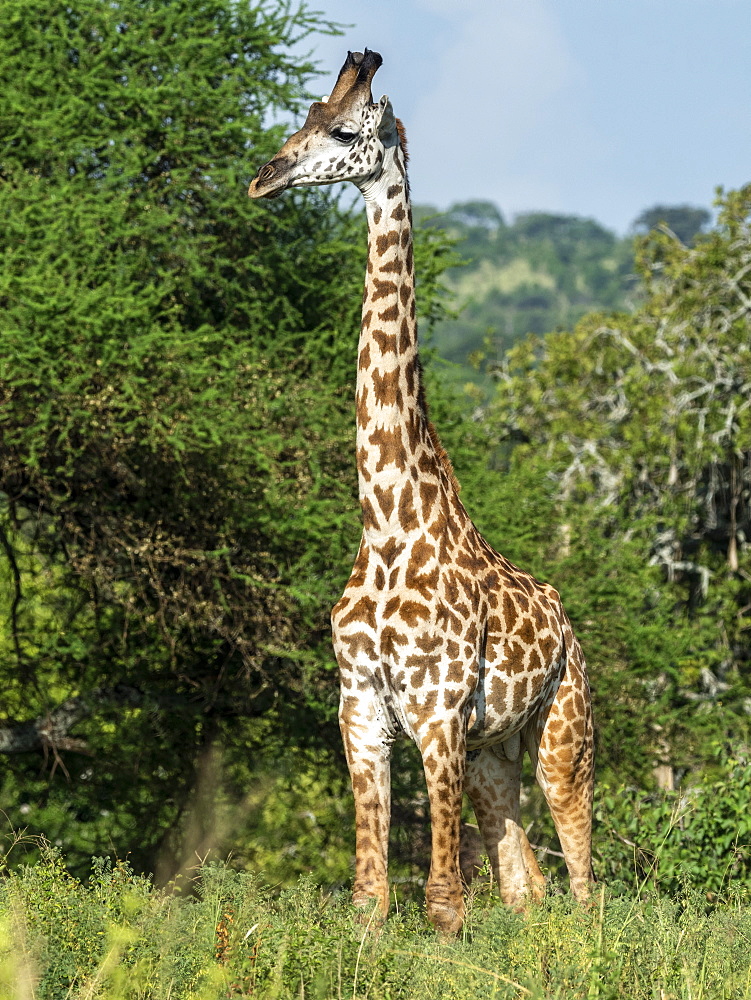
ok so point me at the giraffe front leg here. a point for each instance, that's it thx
(442, 745)
(368, 751)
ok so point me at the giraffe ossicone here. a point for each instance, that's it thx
(437, 636)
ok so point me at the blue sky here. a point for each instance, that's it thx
(600, 108)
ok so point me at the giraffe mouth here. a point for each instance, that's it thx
(272, 194)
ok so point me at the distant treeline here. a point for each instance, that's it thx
(537, 273)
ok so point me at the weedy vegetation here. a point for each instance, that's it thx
(223, 933)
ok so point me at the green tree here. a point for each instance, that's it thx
(643, 422)
(165, 383)
(686, 221)
(177, 492)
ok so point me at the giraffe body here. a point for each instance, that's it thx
(437, 635)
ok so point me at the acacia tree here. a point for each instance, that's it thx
(177, 500)
(162, 397)
(655, 407)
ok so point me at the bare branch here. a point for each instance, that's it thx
(50, 732)
(17, 596)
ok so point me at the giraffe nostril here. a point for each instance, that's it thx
(266, 173)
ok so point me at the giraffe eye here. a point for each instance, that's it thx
(343, 134)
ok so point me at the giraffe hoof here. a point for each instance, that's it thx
(522, 905)
(536, 891)
(446, 919)
(524, 900)
(582, 890)
(369, 910)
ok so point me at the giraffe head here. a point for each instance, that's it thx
(344, 138)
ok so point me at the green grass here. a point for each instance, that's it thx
(225, 934)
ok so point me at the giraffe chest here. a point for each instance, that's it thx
(445, 640)
(408, 602)
(408, 634)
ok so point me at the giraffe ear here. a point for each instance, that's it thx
(386, 122)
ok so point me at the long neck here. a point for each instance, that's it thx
(396, 448)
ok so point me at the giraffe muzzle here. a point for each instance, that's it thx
(270, 181)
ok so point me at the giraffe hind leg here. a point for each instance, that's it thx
(561, 746)
(492, 783)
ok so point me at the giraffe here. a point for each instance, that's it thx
(437, 636)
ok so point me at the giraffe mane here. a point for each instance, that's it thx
(440, 451)
(402, 139)
(443, 458)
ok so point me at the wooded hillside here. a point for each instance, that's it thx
(536, 273)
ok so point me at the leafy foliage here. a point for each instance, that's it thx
(699, 836)
(155, 416)
(176, 372)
